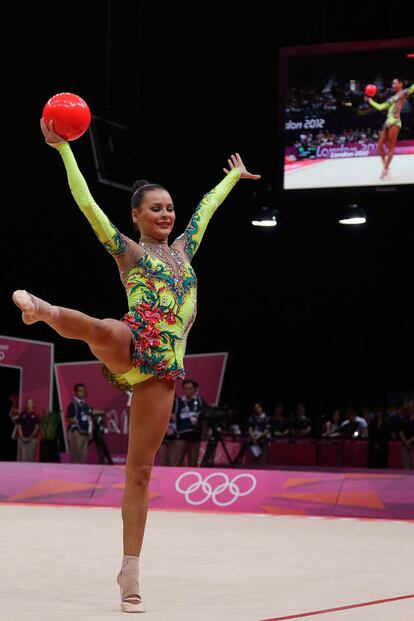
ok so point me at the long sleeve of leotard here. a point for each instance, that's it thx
(193, 234)
(379, 106)
(105, 231)
(410, 89)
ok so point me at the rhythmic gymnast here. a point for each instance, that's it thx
(391, 128)
(143, 351)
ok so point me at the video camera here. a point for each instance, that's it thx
(220, 421)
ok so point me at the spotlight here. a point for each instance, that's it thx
(265, 216)
(354, 214)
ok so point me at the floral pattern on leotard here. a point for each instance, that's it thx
(161, 307)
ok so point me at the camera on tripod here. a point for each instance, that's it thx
(219, 421)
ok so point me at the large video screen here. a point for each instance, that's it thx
(347, 111)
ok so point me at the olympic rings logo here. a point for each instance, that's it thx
(212, 491)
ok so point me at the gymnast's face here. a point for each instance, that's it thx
(396, 85)
(155, 216)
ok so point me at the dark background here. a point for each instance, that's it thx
(308, 311)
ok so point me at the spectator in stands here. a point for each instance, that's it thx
(189, 414)
(332, 427)
(79, 432)
(278, 424)
(258, 434)
(407, 437)
(300, 424)
(27, 430)
(354, 426)
(379, 435)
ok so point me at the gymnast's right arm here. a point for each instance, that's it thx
(105, 231)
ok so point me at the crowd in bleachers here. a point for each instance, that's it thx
(378, 426)
(326, 138)
(329, 98)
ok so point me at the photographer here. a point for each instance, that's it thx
(79, 432)
(189, 412)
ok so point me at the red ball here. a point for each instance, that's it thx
(370, 90)
(70, 115)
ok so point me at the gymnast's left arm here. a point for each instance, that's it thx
(105, 231)
(190, 240)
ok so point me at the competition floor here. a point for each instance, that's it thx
(59, 563)
(350, 171)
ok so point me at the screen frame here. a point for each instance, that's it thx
(347, 192)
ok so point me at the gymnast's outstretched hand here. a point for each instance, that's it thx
(235, 161)
(51, 137)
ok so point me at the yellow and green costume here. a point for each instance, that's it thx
(162, 302)
(394, 106)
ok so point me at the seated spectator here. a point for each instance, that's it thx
(354, 426)
(278, 424)
(27, 429)
(258, 434)
(332, 427)
(379, 434)
(300, 424)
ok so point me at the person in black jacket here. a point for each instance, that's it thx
(79, 431)
(189, 413)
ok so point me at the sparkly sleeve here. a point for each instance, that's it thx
(105, 231)
(193, 234)
(379, 106)
(410, 89)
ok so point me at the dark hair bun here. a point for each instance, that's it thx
(138, 184)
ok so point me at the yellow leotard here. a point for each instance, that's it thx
(394, 106)
(162, 302)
